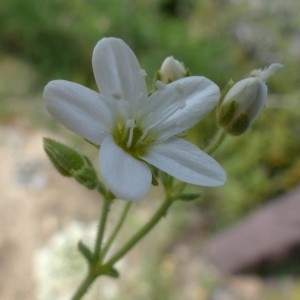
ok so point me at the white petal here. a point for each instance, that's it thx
(127, 177)
(186, 162)
(254, 110)
(117, 71)
(78, 108)
(191, 99)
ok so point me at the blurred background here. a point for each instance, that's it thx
(226, 245)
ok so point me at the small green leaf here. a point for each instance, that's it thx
(85, 251)
(112, 273)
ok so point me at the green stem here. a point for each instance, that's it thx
(101, 229)
(161, 212)
(216, 141)
(117, 229)
(83, 288)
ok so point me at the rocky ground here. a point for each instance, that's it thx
(32, 207)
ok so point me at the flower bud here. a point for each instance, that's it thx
(244, 101)
(171, 70)
(64, 158)
(70, 163)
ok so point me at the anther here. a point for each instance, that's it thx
(130, 124)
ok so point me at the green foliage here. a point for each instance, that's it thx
(58, 37)
(260, 165)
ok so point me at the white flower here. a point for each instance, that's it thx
(171, 70)
(132, 129)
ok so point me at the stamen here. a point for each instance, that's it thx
(130, 124)
(140, 140)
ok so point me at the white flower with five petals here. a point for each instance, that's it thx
(133, 130)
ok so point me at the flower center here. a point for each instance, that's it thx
(133, 134)
(131, 137)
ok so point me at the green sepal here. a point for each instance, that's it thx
(86, 176)
(166, 180)
(228, 86)
(226, 113)
(112, 273)
(158, 76)
(64, 158)
(189, 197)
(154, 181)
(86, 252)
(187, 72)
(240, 125)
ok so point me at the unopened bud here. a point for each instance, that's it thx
(171, 70)
(244, 101)
(64, 158)
(70, 163)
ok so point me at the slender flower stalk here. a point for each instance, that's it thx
(101, 229)
(132, 129)
(216, 141)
